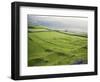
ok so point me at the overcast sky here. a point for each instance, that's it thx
(70, 23)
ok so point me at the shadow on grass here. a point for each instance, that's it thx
(80, 62)
(37, 62)
(58, 53)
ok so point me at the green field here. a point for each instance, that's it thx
(48, 47)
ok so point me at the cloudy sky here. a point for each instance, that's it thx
(69, 23)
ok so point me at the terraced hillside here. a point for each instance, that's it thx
(48, 47)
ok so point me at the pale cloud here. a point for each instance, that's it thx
(59, 22)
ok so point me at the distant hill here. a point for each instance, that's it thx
(37, 27)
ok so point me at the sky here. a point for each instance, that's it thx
(69, 23)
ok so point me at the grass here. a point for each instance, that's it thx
(46, 48)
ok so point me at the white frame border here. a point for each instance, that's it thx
(24, 70)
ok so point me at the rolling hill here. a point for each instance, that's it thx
(49, 47)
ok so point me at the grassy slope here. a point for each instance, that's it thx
(54, 48)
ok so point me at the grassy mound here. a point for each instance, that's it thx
(46, 48)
